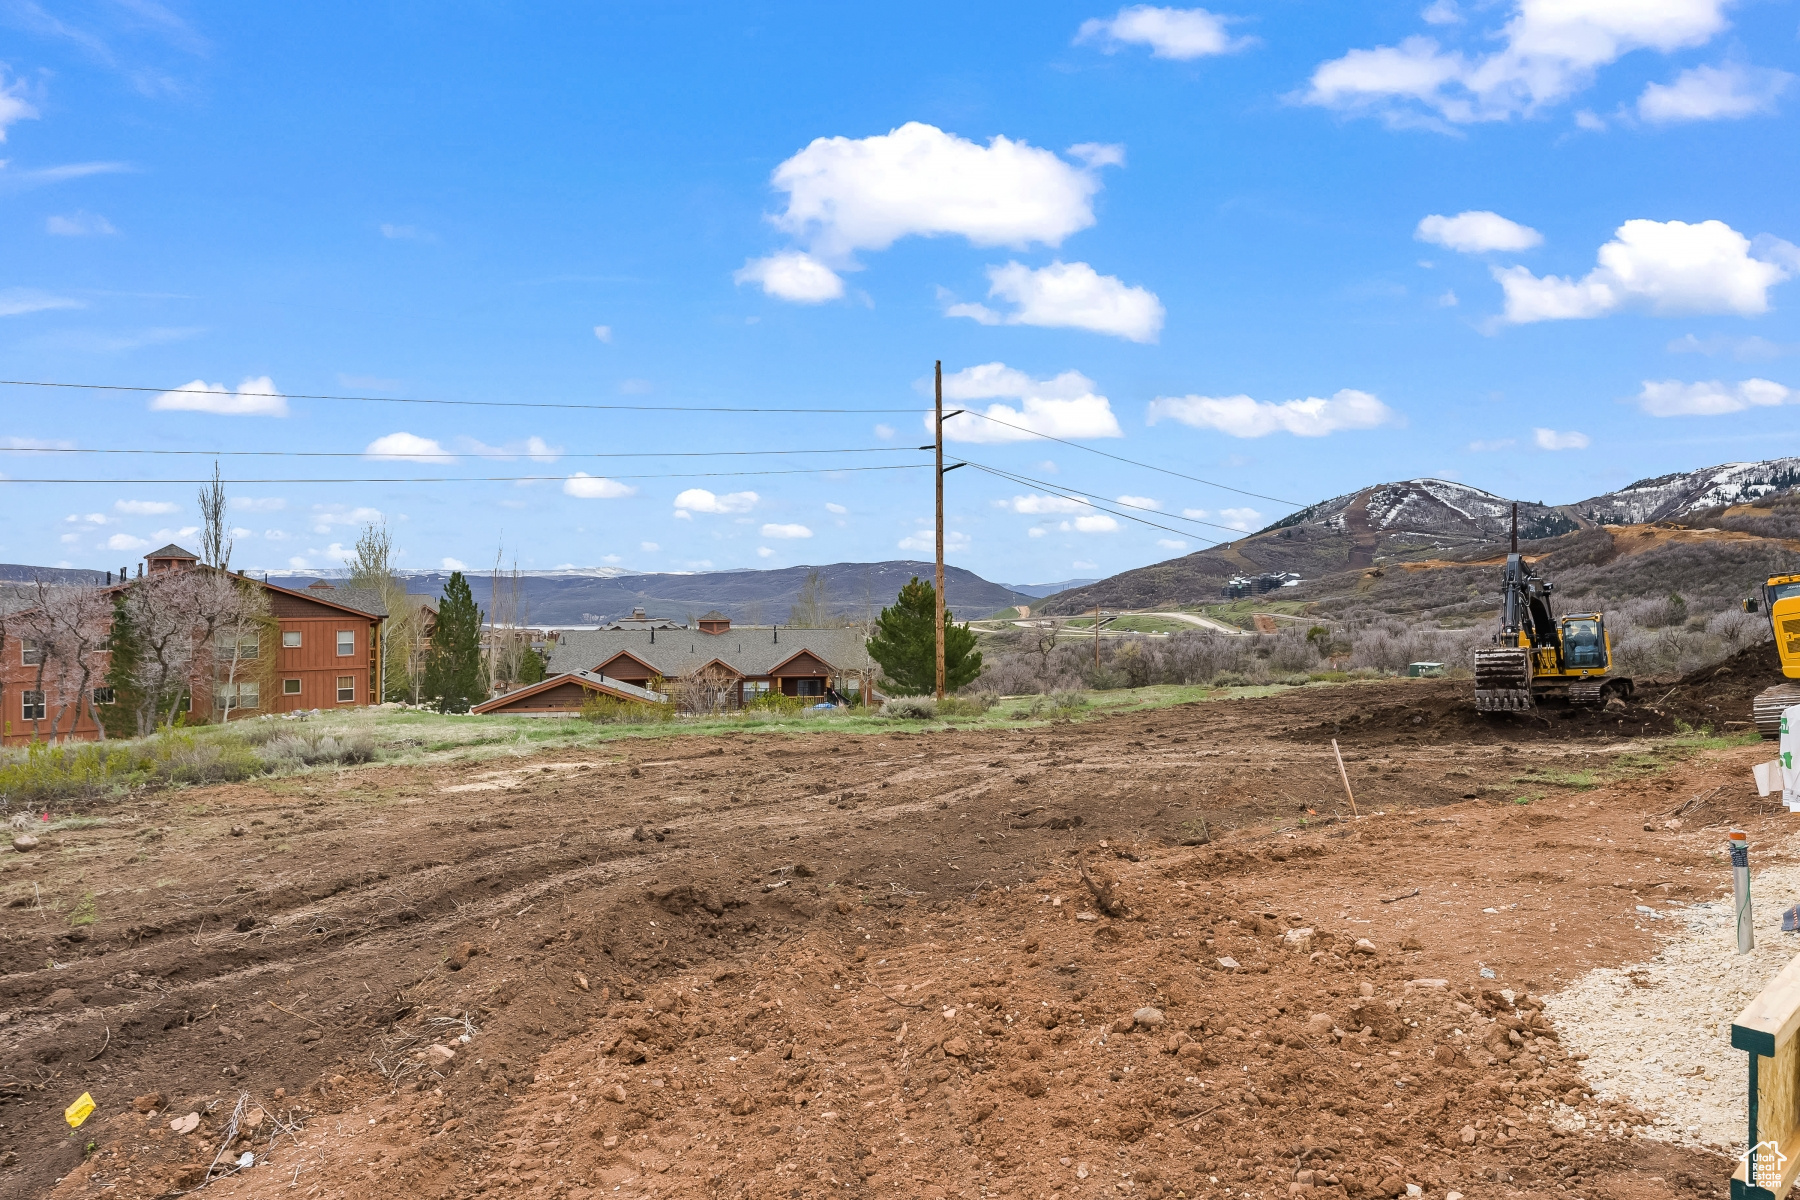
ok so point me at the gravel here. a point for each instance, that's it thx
(1658, 1034)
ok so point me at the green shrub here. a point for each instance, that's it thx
(607, 710)
(1228, 679)
(777, 704)
(910, 708)
(972, 705)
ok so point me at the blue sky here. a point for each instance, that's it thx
(1544, 249)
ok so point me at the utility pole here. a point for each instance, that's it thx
(1096, 637)
(939, 472)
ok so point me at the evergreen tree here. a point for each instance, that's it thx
(906, 646)
(531, 667)
(454, 679)
(130, 714)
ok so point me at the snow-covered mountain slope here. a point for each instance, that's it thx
(1671, 497)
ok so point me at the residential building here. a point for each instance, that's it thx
(563, 696)
(752, 660)
(321, 649)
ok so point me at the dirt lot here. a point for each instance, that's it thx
(1149, 955)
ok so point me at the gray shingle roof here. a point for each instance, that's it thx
(748, 650)
(363, 600)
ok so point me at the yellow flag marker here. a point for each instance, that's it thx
(78, 1112)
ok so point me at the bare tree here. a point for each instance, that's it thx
(812, 608)
(508, 639)
(215, 534)
(64, 630)
(708, 690)
(372, 569)
(1042, 641)
(241, 624)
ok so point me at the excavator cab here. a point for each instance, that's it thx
(1584, 643)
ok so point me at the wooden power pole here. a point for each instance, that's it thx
(939, 374)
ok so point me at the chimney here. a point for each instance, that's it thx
(109, 579)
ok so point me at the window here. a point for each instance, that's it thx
(231, 696)
(346, 642)
(290, 639)
(33, 706)
(248, 646)
(809, 687)
(290, 687)
(346, 689)
(104, 695)
(31, 653)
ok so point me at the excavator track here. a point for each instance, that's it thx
(1594, 693)
(1768, 706)
(1503, 680)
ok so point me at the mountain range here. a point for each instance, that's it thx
(1421, 519)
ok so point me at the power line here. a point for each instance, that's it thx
(1030, 482)
(495, 478)
(446, 455)
(1133, 462)
(118, 387)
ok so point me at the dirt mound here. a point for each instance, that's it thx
(1720, 695)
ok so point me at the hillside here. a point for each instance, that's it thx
(1437, 519)
(853, 590)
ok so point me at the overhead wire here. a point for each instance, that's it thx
(497, 478)
(119, 387)
(435, 456)
(1101, 504)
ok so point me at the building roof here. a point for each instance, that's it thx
(591, 680)
(750, 650)
(422, 600)
(173, 551)
(361, 600)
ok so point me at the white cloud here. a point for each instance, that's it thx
(1244, 519)
(16, 302)
(79, 224)
(849, 194)
(454, 564)
(254, 398)
(407, 233)
(1068, 296)
(145, 508)
(533, 447)
(1063, 407)
(1488, 447)
(1035, 505)
(1081, 564)
(1665, 266)
(13, 105)
(1448, 299)
(649, 547)
(1744, 349)
(786, 531)
(1179, 33)
(124, 541)
(26, 443)
(699, 500)
(1442, 12)
(274, 535)
(1098, 154)
(1139, 502)
(326, 515)
(89, 519)
(838, 509)
(1550, 50)
(1714, 93)
(1036, 531)
(792, 275)
(1095, 523)
(1590, 120)
(1550, 439)
(764, 552)
(924, 541)
(1477, 232)
(1171, 543)
(884, 431)
(603, 333)
(583, 486)
(636, 387)
(1241, 416)
(408, 447)
(258, 503)
(298, 563)
(1711, 398)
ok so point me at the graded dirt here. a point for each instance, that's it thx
(1146, 955)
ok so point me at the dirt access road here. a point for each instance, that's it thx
(835, 965)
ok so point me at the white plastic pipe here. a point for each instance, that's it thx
(1740, 883)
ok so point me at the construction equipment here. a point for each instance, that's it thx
(1538, 656)
(1780, 598)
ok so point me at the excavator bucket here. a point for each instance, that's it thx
(1503, 679)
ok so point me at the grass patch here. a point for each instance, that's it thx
(84, 912)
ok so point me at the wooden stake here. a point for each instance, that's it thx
(1345, 776)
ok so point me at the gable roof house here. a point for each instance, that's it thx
(743, 663)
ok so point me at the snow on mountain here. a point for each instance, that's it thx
(1669, 497)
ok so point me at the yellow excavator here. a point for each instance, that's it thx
(1781, 600)
(1538, 656)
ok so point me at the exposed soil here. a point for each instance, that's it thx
(821, 965)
